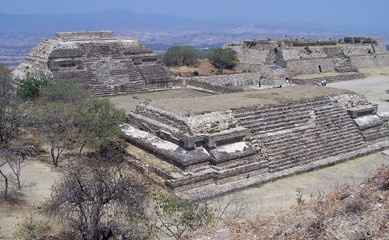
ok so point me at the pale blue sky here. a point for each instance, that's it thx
(321, 13)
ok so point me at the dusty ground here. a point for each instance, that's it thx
(244, 99)
(196, 102)
(265, 199)
(374, 87)
(38, 178)
(130, 101)
(204, 68)
(271, 197)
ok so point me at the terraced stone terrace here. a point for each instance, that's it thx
(220, 143)
(242, 100)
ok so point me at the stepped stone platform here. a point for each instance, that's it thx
(293, 57)
(262, 136)
(106, 64)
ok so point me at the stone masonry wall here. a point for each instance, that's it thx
(364, 61)
(84, 35)
(243, 79)
(308, 66)
(329, 79)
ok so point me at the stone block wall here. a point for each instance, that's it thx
(84, 35)
(256, 54)
(233, 80)
(379, 60)
(209, 87)
(101, 62)
(246, 55)
(329, 79)
(270, 142)
(309, 66)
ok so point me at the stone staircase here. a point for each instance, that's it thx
(298, 134)
(343, 63)
(126, 78)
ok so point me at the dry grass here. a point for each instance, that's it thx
(204, 68)
(320, 75)
(350, 212)
(240, 100)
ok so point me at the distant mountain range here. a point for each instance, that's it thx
(19, 33)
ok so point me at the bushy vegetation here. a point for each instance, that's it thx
(181, 56)
(223, 58)
(30, 87)
(349, 212)
(68, 116)
(99, 195)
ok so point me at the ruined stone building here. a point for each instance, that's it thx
(106, 64)
(239, 141)
(291, 57)
(246, 142)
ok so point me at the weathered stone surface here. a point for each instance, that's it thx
(106, 64)
(307, 56)
(268, 142)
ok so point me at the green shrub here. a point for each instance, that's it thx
(224, 58)
(30, 86)
(181, 56)
(195, 73)
(251, 43)
(308, 49)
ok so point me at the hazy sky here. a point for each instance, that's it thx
(364, 13)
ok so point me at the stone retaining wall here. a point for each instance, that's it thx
(278, 140)
(233, 80)
(379, 60)
(329, 79)
(210, 87)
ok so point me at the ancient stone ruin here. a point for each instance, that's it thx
(238, 138)
(211, 152)
(277, 59)
(106, 64)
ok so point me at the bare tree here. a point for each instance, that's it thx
(55, 121)
(95, 193)
(232, 206)
(11, 109)
(173, 217)
(5, 195)
(14, 163)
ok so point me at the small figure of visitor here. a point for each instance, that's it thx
(287, 82)
(324, 82)
(260, 81)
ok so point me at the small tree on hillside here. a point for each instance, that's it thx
(29, 87)
(175, 217)
(57, 113)
(96, 194)
(99, 124)
(55, 121)
(11, 109)
(181, 56)
(223, 58)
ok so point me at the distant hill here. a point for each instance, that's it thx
(19, 33)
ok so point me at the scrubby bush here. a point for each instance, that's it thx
(223, 58)
(181, 56)
(30, 86)
(308, 49)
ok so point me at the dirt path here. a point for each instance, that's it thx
(38, 178)
(271, 197)
(373, 87)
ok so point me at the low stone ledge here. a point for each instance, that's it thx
(361, 111)
(329, 79)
